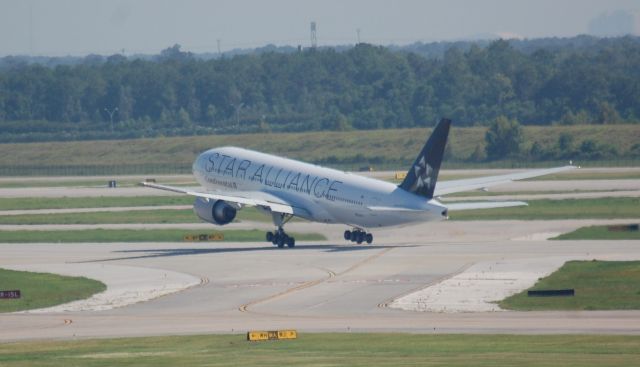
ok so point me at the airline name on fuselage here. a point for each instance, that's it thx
(268, 175)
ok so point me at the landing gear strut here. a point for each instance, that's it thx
(279, 237)
(358, 236)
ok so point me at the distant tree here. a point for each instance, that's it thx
(565, 142)
(263, 126)
(536, 150)
(503, 138)
(589, 149)
(607, 113)
(342, 123)
(478, 154)
(211, 114)
(570, 81)
(173, 53)
(184, 119)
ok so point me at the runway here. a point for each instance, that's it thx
(327, 286)
(194, 288)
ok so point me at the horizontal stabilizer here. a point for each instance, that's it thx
(485, 205)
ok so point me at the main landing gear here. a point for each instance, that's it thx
(358, 236)
(279, 237)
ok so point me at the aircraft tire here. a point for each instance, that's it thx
(347, 235)
(280, 241)
(270, 237)
(369, 238)
(291, 242)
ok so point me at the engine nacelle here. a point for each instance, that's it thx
(217, 212)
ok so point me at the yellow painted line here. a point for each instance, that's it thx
(331, 274)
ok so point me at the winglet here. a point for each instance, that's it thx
(423, 174)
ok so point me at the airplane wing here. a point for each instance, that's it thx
(450, 187)
(271, 202)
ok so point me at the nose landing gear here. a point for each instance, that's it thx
(358, 236)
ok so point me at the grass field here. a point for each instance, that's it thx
(142, 235)
(83, 183)
(135, 216)
(514, 193)
(599, 285)
(598, 233)
(132, 216)
(41, 183)
(92, 202)
(396, 147)
(586, 175)
(40, 290)
(603, 208)
(356, 349)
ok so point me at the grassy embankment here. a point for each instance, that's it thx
(142, 235)
(347, 150)
(371, 349)
(598, 233)
(599, 285)
(39, 290)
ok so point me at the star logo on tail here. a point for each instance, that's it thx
(422, 171)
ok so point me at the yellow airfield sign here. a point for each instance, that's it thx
(254, 336)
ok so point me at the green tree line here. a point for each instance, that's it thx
(363, 87)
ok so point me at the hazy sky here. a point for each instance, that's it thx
(80, 27)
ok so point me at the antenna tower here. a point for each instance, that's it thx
(314, 35)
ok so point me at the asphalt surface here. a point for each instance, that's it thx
(328, 286)
(319, 286)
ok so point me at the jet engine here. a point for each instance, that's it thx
(216, 212)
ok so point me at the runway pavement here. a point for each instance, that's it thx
(328, 286)
(317, 286)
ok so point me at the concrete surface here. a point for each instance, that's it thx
(328, 286)
(321, 286)
(126, 285)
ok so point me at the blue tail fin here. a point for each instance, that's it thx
(422, 176)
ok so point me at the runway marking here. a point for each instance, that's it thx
(244, 308)
(68, 321)
(331, 274)
(464, 267)
(365, 261)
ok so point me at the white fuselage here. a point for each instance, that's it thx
(316, 193)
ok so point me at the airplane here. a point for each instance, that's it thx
(234, 178)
